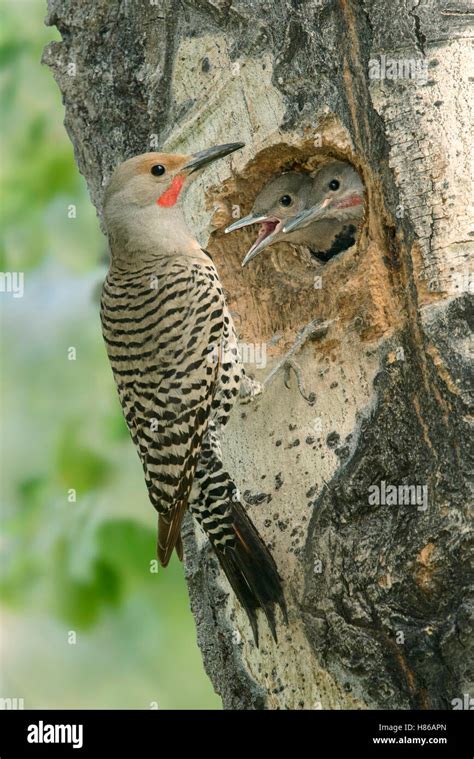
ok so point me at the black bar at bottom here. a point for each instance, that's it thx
(149, 733)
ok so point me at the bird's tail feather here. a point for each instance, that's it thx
(252, 572)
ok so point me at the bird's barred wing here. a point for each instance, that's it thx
(167, 385)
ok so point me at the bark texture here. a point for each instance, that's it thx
(378, 594)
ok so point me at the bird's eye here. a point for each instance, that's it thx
(286, 200)
(334, 184)
(158, 170)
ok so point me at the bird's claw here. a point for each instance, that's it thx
(315, 328)
(249, 389)
(291, 364)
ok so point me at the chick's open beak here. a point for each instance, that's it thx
(269, 227)
(204, 157)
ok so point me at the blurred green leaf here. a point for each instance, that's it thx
(116, 427)
(129, 545)
(30, 490)
(10, 49)
(80, 602)
(78, 466)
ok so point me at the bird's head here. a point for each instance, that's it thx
(278, 202)
(145, 188)
(337, 195)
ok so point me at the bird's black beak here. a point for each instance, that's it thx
(306, 217)
(204, 157)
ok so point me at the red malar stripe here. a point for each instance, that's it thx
(170, 196)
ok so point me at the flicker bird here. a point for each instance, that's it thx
(175, 359)
(322, 213)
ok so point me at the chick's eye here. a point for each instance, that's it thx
(334, 184)
(285, 200)
(158, 170)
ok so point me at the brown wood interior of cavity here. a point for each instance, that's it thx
(278, 292)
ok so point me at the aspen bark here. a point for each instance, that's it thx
(377, 588)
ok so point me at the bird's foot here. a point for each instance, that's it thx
(249, 389)
(315, 328)
(291, 364)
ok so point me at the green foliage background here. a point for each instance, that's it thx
(67, 567)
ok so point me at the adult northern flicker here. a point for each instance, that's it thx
(175, 359)
(322, 213)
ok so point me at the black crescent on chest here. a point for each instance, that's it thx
(342, 241)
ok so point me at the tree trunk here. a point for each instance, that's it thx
(378, 608)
